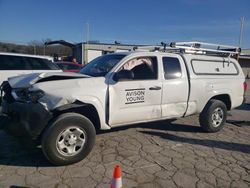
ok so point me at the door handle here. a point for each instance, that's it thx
(155, 88)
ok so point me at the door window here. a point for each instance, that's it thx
(40, 64)
(13, 63)
(172, 67)
(143, 68)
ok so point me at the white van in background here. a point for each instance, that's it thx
(13, 64)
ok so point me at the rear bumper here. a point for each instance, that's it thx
(29, 117)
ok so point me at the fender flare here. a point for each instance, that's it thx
(81, 101)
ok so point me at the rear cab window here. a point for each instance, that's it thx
(172, 68)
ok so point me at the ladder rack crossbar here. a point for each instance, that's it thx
(207, 44)
(207, 50)
(193, 47)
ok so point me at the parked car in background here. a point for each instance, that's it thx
(13, 64)
(69, 67)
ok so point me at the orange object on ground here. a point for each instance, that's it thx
(117, 178)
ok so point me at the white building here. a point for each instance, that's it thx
(87, 51)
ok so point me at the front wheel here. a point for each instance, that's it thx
(213, 116)
(68, 139)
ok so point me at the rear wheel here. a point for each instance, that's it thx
(68, 139)
(213, 116)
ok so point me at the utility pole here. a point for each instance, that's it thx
(86, 45)
(242, 19)
(87, 32)
(241, 34)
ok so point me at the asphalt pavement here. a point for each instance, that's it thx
(174, 153)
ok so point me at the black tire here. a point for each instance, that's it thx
(63, 123)
(208, 120)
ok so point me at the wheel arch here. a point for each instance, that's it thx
(85, 109)
(225, 98)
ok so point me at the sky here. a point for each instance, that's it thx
(127, 21)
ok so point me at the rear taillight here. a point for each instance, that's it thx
(245, 87)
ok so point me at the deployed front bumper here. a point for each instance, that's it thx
(29, 117)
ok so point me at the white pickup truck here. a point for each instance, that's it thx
(64, 110)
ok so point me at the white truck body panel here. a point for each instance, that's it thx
(133, 102)
(205, 86)
(128, 102)
(87, 90)
(174, 105)
(5, 74)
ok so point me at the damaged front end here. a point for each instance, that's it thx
(25, 115)
(28, 107)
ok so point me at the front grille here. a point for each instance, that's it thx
(6, 92)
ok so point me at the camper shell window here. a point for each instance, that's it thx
(209, 67)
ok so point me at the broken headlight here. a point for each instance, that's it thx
(25, 95)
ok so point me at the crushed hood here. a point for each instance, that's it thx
(25, 81)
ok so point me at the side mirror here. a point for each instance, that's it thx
(123, 75)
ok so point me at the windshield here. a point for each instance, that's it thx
(102, 65)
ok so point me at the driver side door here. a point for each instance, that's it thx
(138, 99)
